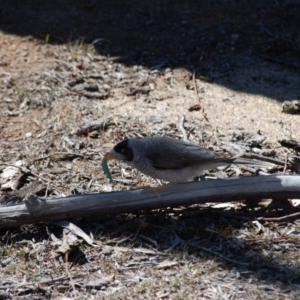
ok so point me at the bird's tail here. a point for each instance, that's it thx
(251, 162)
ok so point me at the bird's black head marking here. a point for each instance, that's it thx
(123, 149)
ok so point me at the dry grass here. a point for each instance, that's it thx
(64, 106)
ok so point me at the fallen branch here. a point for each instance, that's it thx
(37, 209)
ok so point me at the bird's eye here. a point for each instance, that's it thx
(122, 150)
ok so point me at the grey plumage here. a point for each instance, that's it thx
(173, 160)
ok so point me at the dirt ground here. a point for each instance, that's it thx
(76, 77)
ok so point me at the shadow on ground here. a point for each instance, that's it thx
(258, 259)
(244, 45)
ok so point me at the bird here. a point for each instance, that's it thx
(173, 160)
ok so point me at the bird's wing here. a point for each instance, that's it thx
(178, 154)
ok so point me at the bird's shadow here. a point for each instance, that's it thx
(212, 234)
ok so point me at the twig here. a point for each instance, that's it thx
(181, 127)
(69, 274)
(243, 217)
(279, 218)
(197, 96)
(47, 189)
(196, 89)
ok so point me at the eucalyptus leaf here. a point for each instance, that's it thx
(105, 168)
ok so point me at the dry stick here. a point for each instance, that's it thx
(196, 89)
(181, 127)
(278, 218)
(69, 274)
(197, 96)
(47, 189)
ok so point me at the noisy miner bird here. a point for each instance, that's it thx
(171, 159)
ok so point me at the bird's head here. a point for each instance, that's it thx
(121, 151)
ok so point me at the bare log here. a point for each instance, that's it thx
(37, 209)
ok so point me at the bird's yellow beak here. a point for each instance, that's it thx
(110, 156)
